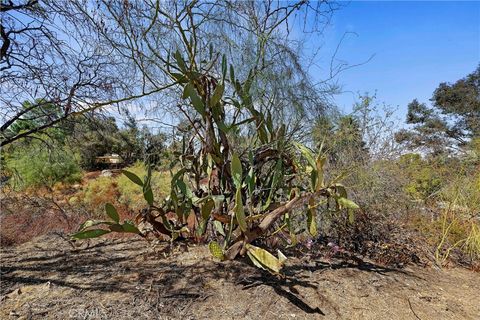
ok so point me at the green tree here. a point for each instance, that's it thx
(94, 135)
(131, 140)
(424, 177)
(35, 114)
(450, 123)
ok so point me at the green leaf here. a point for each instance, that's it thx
(193, 75)
(182, 186)
(236, 103)
(307, 154)
(224, 67)
(116, 227)
(248, 83)
(218, 226)
(197, 102)
(201, 228)
(216, 250)
(243, 122)
(185, 189)
(269, 122)
(223, 127)
(176, 177)
(218, 199)
(148, 195)
(90, 234)
(250, 181)
(347, 203)
(148, 177)
(232, 74)
(277, 174)
(236, 168)
(180, 78)
(262, 133)
(217, 94)
(129, 227)
(239, 211)
(265, 258)
(112, 212)
(280, 134)
(133, 177)
(311, 218)
(207, 209)
(180, 61)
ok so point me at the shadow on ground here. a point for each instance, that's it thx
(129, 278)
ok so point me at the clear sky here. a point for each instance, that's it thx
(416, 45)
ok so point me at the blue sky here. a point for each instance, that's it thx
(416, 45)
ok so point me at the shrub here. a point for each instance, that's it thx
(129, 194)
(460, 227)
(464, 192)
(98, 192)
(26, 217)
(424, 177)
(35, 166)
(450, 224)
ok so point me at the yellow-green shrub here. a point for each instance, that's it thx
(464, 193)
(460, 224)
(131, 194)
(34, 166)
(424, 178)
(98, 192)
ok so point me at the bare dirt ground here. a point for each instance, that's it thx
(128, 279)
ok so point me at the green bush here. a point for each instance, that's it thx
(35, 166)
(424, 177)
(464, 193)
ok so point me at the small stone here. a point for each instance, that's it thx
(106, 173)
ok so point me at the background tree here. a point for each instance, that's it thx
(452, 121)
(341, 138)
(94, 135)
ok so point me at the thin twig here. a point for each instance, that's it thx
(410, 305)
